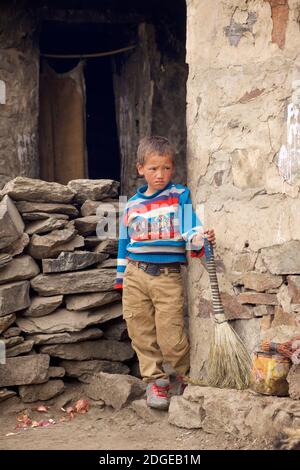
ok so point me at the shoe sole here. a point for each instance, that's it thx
(162, 407)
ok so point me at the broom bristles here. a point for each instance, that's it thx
(229, 361)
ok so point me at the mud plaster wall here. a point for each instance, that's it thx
(19, 71)
(243, 57)
(150, 91)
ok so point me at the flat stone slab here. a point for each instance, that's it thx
(254, 298)
(18, 246)
(99, 207)
(107, 312)
(67, 261)
(11, 223)
(63, 338)
(20, 268)
(96, 190)
(263, 310)
(45, 225)
(35, 216)
(12, 332)
(93, 280)
(100, 349)
(86, 301)
(242, 413)
(22, 348)
(56, 372)
(41, 306)
(87, 225)
(48, 246)
(48, 208)
(107, 246)
(6, 321)
(53, 239)
(283, 258)
(14, 297)
(41, 392)
(84, 370)
(76, 242)
(115, 390)
(24, 370)
(63, 320)
(29, 189)
(260, 282)
(5, 259)
(10, 342)
(5, 394)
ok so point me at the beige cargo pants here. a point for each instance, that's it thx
(153, 310)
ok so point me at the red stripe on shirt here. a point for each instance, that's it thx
(142, 209)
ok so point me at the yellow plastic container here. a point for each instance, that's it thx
(269, 371)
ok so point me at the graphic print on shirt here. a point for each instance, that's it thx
(159, 227)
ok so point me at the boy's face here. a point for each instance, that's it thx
(157, 171)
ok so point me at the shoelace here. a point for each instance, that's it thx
(160, 391)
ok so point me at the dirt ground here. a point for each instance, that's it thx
(103, 428)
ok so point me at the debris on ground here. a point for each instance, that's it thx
(25, 421)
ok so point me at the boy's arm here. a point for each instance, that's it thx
(122, 253)
(190, 225)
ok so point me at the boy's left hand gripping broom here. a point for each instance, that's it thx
(229, 361)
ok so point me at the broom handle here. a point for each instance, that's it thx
(212, 272)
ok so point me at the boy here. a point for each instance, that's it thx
(157, 227)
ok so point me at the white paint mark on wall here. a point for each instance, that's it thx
(2, 92)
(25, 143)
(289, 154)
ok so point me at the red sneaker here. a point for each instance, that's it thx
(157, 394)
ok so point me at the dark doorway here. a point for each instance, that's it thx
(101, 137)
(101, 129)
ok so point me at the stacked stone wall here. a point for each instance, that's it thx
(60, 316)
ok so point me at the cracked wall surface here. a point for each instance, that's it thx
(19, 73)
(242, 67)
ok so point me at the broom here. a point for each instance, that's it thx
(229, 362)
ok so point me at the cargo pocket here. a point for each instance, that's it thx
(175, 334)
(132, 323)
(127, 314)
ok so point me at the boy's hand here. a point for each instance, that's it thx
(198, 239)
(210, 235)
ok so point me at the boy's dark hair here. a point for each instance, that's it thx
(153, 144)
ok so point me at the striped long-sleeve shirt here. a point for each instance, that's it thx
(157, 228)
